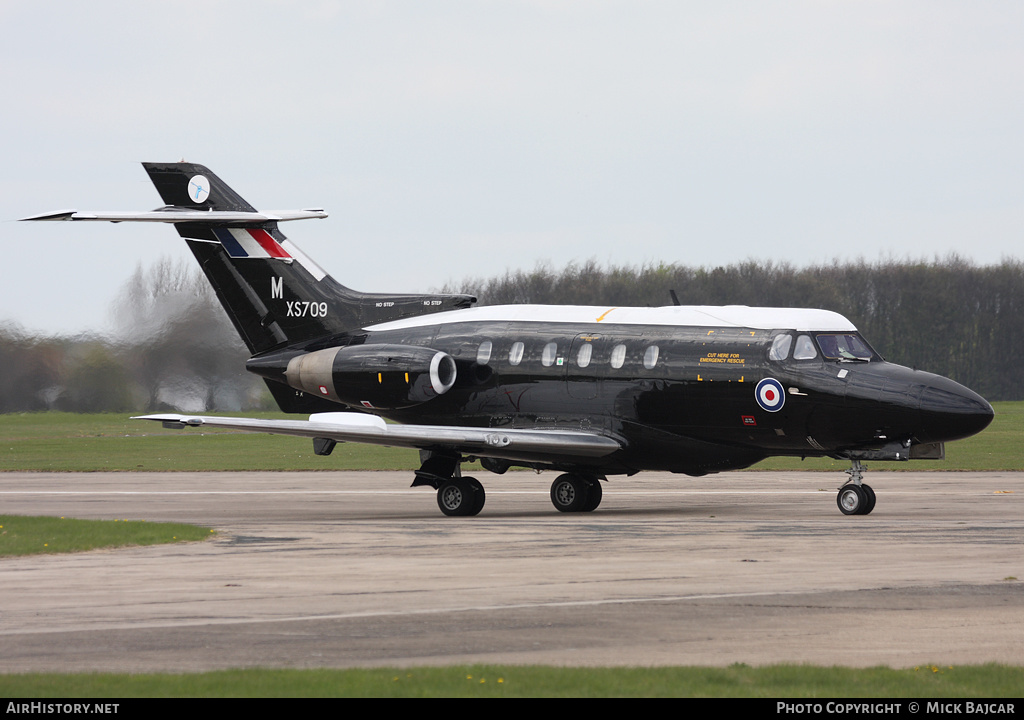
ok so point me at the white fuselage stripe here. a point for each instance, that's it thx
(738, 316)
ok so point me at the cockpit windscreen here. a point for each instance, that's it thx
(804, 346)
(844, 346)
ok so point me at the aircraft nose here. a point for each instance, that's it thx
(949, 411)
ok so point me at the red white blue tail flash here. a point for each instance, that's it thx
(245, 242)
(256, 243)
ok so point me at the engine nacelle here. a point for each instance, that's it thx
(374, 376)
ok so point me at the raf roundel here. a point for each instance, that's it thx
(198, 189)
(770, 395)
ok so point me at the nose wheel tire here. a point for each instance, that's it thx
(856, 499)
(461, 497)
(869, 496)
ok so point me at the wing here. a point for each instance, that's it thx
(512, 444)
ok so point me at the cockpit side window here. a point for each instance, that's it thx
(844, 346)
(780, 347)
(805, 349)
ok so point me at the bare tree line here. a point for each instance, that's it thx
(174, 348)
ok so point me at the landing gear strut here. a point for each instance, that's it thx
(856, 497)
(576, 493)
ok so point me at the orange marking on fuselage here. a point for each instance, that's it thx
(605, 314)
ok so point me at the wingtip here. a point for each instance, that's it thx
(52, 215)
(171, 422)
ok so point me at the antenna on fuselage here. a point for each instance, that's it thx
(675, 298)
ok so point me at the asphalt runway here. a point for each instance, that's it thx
(342, 569)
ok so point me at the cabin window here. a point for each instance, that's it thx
(618, 356)
(483, 353)
(515, 354)
(651, 357)
(584, 355)
(780, 347)
(547, 357)
(805, 349)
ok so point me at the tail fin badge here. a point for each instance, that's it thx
(198, 188)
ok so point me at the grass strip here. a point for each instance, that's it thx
(771, 681)
(69, 442)
(27, 535)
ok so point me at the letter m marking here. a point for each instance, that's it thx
(276, 287)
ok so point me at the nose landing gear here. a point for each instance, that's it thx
(856, 497)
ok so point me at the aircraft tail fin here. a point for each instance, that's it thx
(189, 185)
(275, 295)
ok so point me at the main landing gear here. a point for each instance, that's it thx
(459, 496)
(855, 497)
(576, 493)
(456, 495)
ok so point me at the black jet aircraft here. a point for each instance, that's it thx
(586, 391)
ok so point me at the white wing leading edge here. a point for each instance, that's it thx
(510, 444)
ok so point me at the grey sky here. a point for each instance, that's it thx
(455, 139)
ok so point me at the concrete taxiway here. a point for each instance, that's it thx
(339, 569)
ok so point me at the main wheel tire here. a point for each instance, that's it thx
(479, 496)
(869, 499)
(851, 500)
(595, 495)
(570, 493)
(456, 498)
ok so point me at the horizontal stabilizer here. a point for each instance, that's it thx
(177, 215)
(511, 444)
